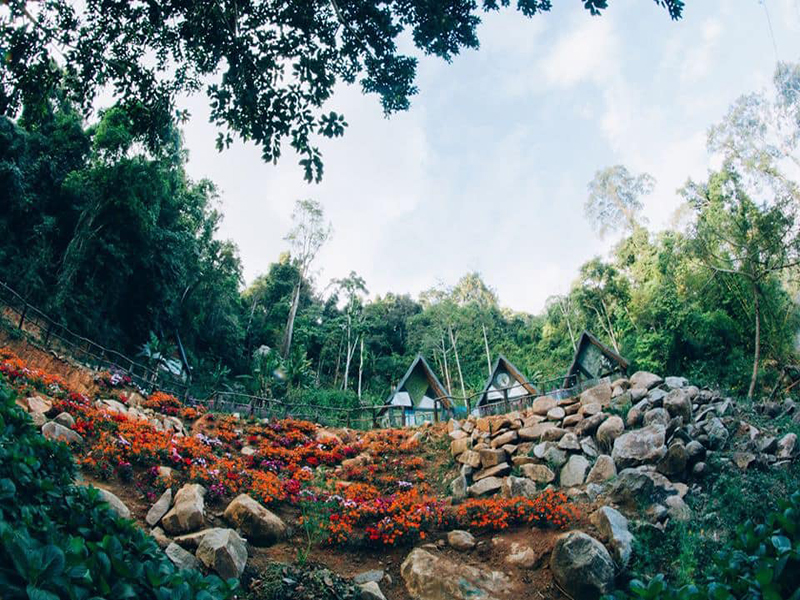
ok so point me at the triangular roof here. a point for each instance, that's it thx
(433, 381)
(502, 361)
(585, 339)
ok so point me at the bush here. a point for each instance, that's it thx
(762, 561)
(59, 540)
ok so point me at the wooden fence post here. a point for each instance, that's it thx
(22, 315)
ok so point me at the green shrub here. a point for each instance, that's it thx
(762, 561)
(59, 540)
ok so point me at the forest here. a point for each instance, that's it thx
(101, 226)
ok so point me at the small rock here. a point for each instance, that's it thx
(65, 419)
(491, 457)
(375, 575)
(582, 566)
(224, 551)
(495, 471)
(57, 432)
(471, 458)
(786, 446)
(677, 508)
(538, 473)
(717, 434)
(542, 405)
(458, 489)
(599, 394)
(646, 380)
(555, 457)
(569, 442)
(160, 537)
(556, 413)
(656, 416)
(589, 447)
(602, 470)
(371, 591)
(259, 525)
(590, 424)
(461, 540)
(117, 505)
(514, 487)
(504, 438)
(522, 556)
(609, 430)
(180, 557)
(574, 472)
(187, 512)
(484, 487)
(675, 460)
(743, 460)
(160, 508)
(695, 452)
(613, 528)
(675, 383)
(677, 403)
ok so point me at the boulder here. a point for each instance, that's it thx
(374, 575)
(640, 446)
(676, 383)
(513, 487)
(556, 413)
(160, 508)
(633, 488)
(588, 410)
(460, 445)
(65, 419)
(574, 472)
(609, 430)
(677, 508)
(180, 557)
(117, 505)
(599, 394)
(637, 393)
(554, 434)
(656, 416)
(371, 591)
(786, 446)
(160, 537)
(674, 462)
(590, 424)
(458, 489)
(613, 529)
(223, 551)
(495, 471)
(484, 487)
(555, 457)
(471, 458)
(538, 473)
(646, 380)
(192, 540)
(571, 420)
(743, 460)
(542, 405)
(589, 447)
(535, 432)
(504, 438)
(582, 566)
(678, 404)
(522, 556)
(569, 441)
(491, 457)
(428, 576)
(602, 470)
(460, 540)
(717, 434)
(187, 512)
(260, 526)
(37, 404)
(57, 432)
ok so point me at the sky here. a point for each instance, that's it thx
(488, 169)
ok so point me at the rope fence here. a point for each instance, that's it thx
(53, 336)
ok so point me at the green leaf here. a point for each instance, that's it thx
(35, 593)
(781, 543)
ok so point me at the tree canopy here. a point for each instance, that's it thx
(267, 67)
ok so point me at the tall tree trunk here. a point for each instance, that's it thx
(757, 343)
(458, 364)
(287, 338)
(486, 347)
(446, 370)
(347, 358)
(338, 362)
(360, 368)
(569, 324)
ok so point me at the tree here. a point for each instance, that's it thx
(308, 234)
(614, 199)
(267, 67)
(352, 287)
(735, 236)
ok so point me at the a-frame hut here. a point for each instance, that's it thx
(420, 394)
(593, 360)
(505, 389)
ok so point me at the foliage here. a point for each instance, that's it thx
(762, 561)
(61, 540)
(267, 68)
(614, 198)
(549, 509)
(300, 582)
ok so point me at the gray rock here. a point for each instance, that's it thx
(634, 488)
(613, 528)
(555, 457)
(192, 540)
(495, 471)
(582, 566)
(589, 447)
(375, 575)
(574, 472)
(658, 416)
(65, 419)
(259, 525)
(434, 577)
(700, 470)
(160, 508)
(640, 446)
(602, 470)
(57, 432)
(542, 405)
(535, 433)
(180, 557)
(538, 473)
(646, 380)
(491, 457)
(786, 446)
(678, 404)
(225, 552)
(766, 443)
(514, 487)
(556, 414)
(590, 424)
(458, 489)
(695, 452)
(637, 394)
(117, 505)
(599, 394)
(609, 430)
(522, 556)
(717, 434)
(656, 397)
(677, 508)
(569, 442)
(485, 487)
(675, 461)
(461, 540)
(188, 511)
(674, 383)
(160, 537)
(371, 591)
